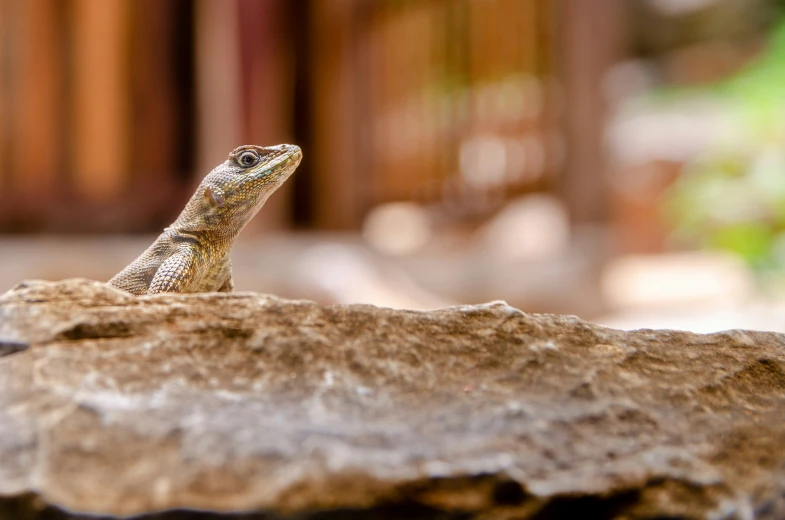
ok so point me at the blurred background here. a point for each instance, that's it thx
(622, 160)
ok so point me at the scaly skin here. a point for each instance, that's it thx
(192, 255)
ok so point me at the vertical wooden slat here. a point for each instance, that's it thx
(591, 41)
(101, 97)
(5, 47)
(303, 191)
(266, 70)
(536, 124)
(335, 176)
(415, 70)
(38, 93)
(154, 96)
(363, 124)
(218, 81)
(267, 91)
(162, 126)
(529, 31)
(441, 147)
(379, 84)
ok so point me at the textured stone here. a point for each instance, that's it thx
(117, 405)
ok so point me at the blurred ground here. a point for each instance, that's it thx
(700, 292)
(330, 268)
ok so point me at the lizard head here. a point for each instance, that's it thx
(231, 194)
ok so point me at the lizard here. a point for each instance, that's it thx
(192, 254)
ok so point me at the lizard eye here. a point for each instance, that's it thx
(247, 159)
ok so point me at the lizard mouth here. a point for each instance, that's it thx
(284, 162)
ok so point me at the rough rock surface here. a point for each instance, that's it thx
(117, 405)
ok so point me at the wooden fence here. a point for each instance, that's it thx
(111, 110)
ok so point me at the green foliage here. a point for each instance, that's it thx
(733, 196)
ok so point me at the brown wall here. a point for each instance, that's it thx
(110, 111)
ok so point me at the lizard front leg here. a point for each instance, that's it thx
(228, 282)
(175, 273)
(228, 285)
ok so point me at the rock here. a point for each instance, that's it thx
(119, 405)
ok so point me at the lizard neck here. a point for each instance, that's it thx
(213, 226)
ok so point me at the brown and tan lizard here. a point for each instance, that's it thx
(192, 255)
